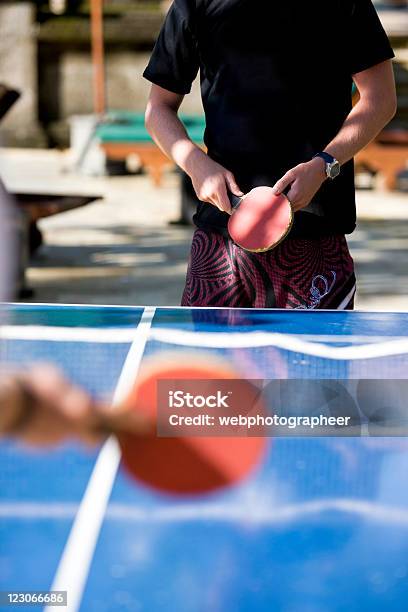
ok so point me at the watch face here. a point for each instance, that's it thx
(334, 169)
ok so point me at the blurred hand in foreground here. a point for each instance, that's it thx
(40, 407)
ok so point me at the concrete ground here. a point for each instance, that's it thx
(122, 250)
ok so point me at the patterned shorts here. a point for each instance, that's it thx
(298, 273)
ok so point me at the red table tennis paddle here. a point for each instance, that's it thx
(181, 465)
(260, 220)
(186, 465)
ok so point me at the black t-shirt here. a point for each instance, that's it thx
(276, 81)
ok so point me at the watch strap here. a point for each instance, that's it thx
(329, 159)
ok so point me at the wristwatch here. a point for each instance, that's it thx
(332, 165)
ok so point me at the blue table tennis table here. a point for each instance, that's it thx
(321, 526)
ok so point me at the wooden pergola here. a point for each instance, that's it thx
(98, 59)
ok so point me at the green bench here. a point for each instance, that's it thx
(123, 134)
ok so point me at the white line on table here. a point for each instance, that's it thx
(79, 549)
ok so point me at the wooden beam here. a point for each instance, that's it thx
(98, 59)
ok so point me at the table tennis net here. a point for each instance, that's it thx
(95, 366)
(269, 355)
(94, 358)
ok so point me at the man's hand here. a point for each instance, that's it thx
(304, 181)
(211, 181)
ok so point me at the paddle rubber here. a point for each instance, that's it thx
(185, 465)
(260, 220)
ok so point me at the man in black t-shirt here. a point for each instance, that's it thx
(276, 81)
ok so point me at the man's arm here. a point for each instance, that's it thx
(376, 107)
(210, 179)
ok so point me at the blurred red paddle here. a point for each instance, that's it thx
(260, 220)
(189, 459)
(187, 465)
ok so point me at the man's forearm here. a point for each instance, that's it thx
(210, 180)
(362, 125)
(170, 135)
(376, 107)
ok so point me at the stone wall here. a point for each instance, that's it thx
(52, 68)
(18, 69)
(126, 88)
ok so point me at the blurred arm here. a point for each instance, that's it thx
(41, 407)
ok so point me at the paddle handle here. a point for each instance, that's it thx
(234, 199)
